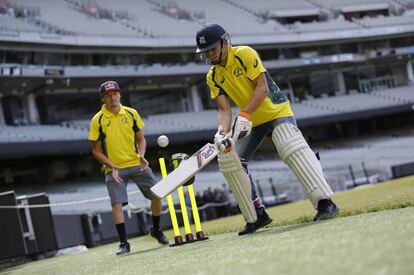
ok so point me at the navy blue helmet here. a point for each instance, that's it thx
(209, 37)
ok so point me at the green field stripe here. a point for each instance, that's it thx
(372, 243)
(364, 199)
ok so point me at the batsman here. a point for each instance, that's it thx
(237, 74)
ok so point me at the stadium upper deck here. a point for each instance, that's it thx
(54, 54)
(165, 24)
(342, 63)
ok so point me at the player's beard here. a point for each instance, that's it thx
(216, 61)
(204, 56)
(219, 59)
(115, 103)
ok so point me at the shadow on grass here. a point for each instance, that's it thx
(287, 228)
(144, 251)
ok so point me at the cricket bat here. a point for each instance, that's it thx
(187, 169)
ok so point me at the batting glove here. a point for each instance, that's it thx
(242, 126)
(223, 141)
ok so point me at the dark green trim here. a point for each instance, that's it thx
(275, 94)
(241, 62)
(135, 127)
(102, 137)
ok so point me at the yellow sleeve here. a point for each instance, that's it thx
(94, 128)
(212, 85)
(251, 61)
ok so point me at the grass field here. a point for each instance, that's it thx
(373, 235)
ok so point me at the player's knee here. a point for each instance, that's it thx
(229, 162)
(288, 139)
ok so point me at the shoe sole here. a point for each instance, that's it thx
(123, 253)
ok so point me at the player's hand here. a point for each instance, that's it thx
(115, 175)
(223, 141)
(143, 163)
(221, 134)
(242, 126)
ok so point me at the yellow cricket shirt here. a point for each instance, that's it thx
(235, 80)
(117, 134)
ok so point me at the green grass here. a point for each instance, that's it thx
(380, 242)
(391, 195)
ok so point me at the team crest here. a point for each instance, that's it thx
(124, 119)
(255, 63)
(222, 80)
(237, 71)
(202, 40)
(108, 123)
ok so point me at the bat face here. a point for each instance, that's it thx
(187, 169)
(204, 153)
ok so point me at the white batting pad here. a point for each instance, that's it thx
(296, 153)
(239, 183)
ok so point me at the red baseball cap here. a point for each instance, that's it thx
(109, 87)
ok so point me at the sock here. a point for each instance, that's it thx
(120, 227)
(156, 222)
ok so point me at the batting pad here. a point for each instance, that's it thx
(296, 153)
(239, 183)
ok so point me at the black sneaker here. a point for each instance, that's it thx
(248, 229)
(326, 210)
(124, 248)
(159, 235)
(262, 221)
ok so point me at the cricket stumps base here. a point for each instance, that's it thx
(178, 240)
(201, 236)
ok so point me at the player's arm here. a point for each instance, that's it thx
(224, 113)
(99, 156)
(141, 148)
(260, 92)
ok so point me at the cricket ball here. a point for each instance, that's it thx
(162, 141)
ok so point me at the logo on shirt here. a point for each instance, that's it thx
(255, 63)
(202, 40)
(237, 71)
(108, 123)
(222, 80)
(124, 119)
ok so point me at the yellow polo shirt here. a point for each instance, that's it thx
(117, 135)
(235, 80)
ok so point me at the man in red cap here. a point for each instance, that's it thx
(119, 144)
